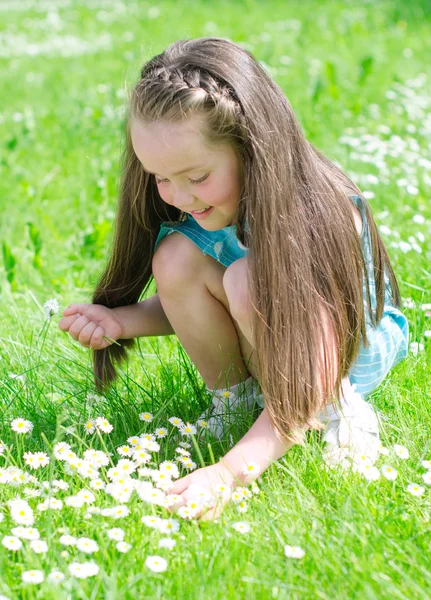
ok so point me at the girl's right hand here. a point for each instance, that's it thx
(88, 323)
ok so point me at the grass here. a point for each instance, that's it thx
(352, 71)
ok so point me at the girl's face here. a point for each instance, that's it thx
(188, 174)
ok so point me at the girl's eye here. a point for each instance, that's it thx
(193, 181)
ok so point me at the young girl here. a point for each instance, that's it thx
(255, 239)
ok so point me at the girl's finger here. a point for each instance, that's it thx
(86, 333)
(179, 486)
(74, 308)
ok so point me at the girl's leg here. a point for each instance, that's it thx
(190, 288)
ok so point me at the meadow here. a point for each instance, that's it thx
(79, 519)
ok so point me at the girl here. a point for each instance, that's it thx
(255, 239)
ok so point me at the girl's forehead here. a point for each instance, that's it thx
(169, 148)
(163, 147)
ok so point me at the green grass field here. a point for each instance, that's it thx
(357, 76)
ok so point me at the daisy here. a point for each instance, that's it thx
(169, 467)
(74, 501)
(185, 512)
(104, 425)
(126, 466)
(237, 496)
(123, 547)
(87, 545)
(401, 451)
(21, 512)
(167, 543)
(223, 491)
(175, 421)
(426, 464)
(11, 542)
(97, 484)
(188, 429)
(20, 425)
(389, 472)
(185, 445)
(55, 576)
(146, 416)
(90, 426)
(251, 469)
(427, 477)
(242, 506)
(293, 551)
(255, 488)
(39, 546)
(86, 496)
(156, 564)
(370, 472)
(3, 448)
(141, 457)
(36, 459)
(26, 533)
(169, 526)
(171, 499)
(383, 450)
(182, 452)
(51, 308)
(202, 423)
(161, 432)
(415, 489)
(134, 440)
(60, 484)
(124, 450)
(67, 540)
(120, 511)
(97, 458)
(83, 570)
(33, 576)
(116, 533)
(241, 527)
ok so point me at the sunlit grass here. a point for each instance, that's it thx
(356, 75)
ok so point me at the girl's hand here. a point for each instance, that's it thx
(210, 479)
(88, 323)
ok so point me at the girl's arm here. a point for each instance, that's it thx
(146, 318)
(260, 445)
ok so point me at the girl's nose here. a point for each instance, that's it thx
(183, 200)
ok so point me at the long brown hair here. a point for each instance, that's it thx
(305, 264)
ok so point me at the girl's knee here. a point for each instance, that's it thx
(175, 261)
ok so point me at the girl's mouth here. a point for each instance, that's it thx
(202, 215)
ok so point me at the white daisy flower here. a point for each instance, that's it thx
(175, 421)
(21, 425)
(21, 512)
(202, 423)
(185, 512)
(142, 457)
(67, 540)
(370, 472)
(383, 450)
(169, 467)
(168, 526)
(251, 469)
(97, 484)
(39, 546)
(426, 464)
(134, 440)
(11, 542)
(156, 564)
(51, 307)
(33, 576)
(427, 477)
(55, 576)
(241, 526)
(185, 444)
(83, 570)
(123, 547)
(124, 450)
(146, 416)
(389, 472)
(116, 533)
(87, 545)
(242, 506)
(151, 521)
(104, 425)
(161, 432)
(401, 451)
(415, 489)
(74, 501)
(26, 533)
(86, 496)
(90, 426)
(293, 551)
(188, 429)
(126, 466)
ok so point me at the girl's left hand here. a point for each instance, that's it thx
(210, 479)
